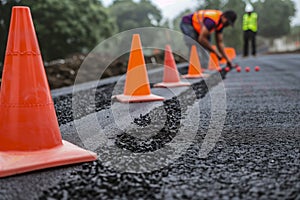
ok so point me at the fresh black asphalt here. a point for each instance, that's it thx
(256, 157)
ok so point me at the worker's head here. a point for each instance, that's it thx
(249, 8)
(228, 18)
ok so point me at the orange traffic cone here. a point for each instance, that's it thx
(30, 138)
(231, 54)
(195, 70)
(137, 87)
(214, 63)
(171, 75)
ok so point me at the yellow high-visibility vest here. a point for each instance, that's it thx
(250, 22)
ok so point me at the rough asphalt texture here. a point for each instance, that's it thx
(256, 157)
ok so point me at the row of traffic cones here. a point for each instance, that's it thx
(137, 87)
(30, 138)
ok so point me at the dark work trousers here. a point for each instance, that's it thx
(249, 36)
(190, 39)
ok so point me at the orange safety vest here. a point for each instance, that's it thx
(199, 16)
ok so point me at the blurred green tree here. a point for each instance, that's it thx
(211, 4)
(295, 29)
(63, 27)
(176, 21)
(129, 14)
(274, 17)
(234, 36)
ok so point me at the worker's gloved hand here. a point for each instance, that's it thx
(219, 56)
(229, 64)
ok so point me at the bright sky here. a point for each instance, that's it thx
(296, 19)
(171, 8)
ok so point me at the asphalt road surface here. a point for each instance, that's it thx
(257, 155)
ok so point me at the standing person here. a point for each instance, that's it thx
(200, 26)
(250, 29)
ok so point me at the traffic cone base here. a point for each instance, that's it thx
(218, 68)
(136, 99)
(191, 76)
(171, 85)
(214, 67)
(16, 162)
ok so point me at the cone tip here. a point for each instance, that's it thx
(136, 42)
(168, 49)
(20, 7)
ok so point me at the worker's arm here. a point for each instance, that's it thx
(203, 40)
(220, 46)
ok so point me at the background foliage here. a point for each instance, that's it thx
(63, 27)
(129, 14)
(66, 27)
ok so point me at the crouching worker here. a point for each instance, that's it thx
(202, 24)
